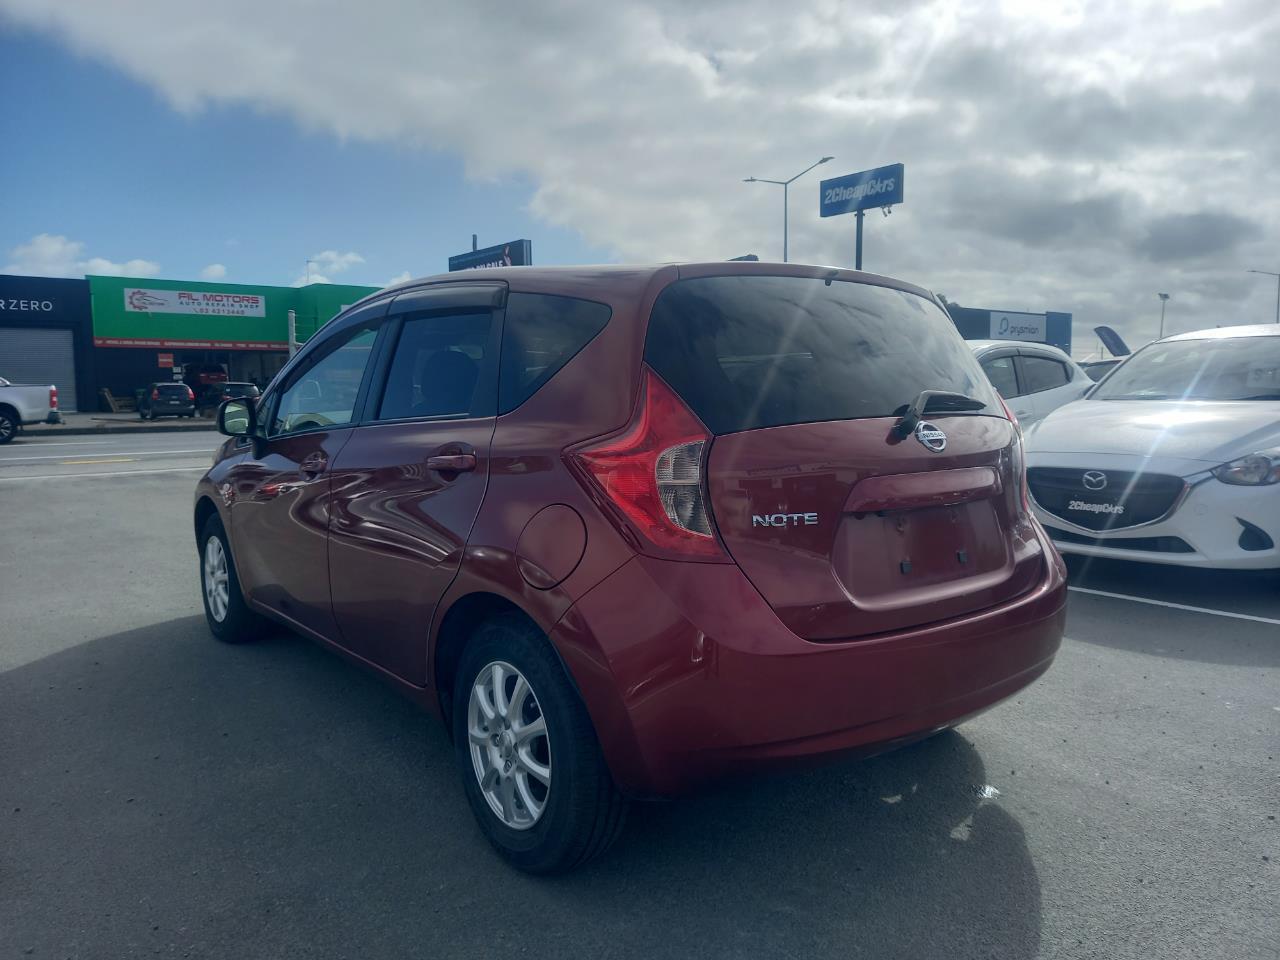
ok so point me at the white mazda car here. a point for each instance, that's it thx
(1174, 458)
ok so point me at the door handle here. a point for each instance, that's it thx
(452, 462)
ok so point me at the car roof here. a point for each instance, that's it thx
(981, 346)
(1225, 333)
(623, 279)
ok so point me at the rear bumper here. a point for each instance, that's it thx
(689, 676)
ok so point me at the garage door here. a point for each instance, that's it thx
(40, 356)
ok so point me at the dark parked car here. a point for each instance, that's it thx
(218, 392)
(632, 529)
(167, 400)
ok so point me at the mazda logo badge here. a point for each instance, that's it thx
(1094, 480)
(931, 436)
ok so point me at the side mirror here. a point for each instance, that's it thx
(237, 418)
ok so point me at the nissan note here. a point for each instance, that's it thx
(631, 529)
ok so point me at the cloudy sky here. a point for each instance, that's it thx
(1068, 156)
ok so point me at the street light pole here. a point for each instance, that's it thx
(786, 184)
(1164, 298)
(1272, 273)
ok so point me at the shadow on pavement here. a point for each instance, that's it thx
(163, 793)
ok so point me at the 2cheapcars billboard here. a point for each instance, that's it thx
(164, 314)
(881, 187)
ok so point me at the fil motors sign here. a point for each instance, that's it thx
(208, 303)
(1019, 326)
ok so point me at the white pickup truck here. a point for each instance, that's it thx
(21, 404)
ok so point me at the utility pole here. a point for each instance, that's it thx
(1270, 273)
(786, 185)
(1164, 298)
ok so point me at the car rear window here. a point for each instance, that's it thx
(541, 333)
(172, 390)
(748, 352)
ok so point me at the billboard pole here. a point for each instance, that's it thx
(857, 253)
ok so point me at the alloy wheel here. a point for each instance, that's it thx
(216, 588)
(510, 750)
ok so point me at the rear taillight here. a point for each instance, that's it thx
(155, 394)
(652, 473)
(53, 398)
(1019, 457)
(191, 394)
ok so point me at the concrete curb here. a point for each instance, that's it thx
(51, 431)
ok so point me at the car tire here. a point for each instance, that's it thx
(237, 623)
(582, 812)
(8, 427)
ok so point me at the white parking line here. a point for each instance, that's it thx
(113, 453)
(117, 473)
(1176, 606)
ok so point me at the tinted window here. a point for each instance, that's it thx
(1041, 373)
(748, 352)
(1002, 376)
(172, 390)
(1235, 368)
(323, 392)
(438, 366)
(540, 335)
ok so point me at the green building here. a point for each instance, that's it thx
(148, 330)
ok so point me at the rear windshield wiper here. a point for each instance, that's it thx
(937, 400)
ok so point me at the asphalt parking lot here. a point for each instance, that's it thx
(163, 794)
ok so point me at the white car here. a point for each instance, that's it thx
(1174, 458)
(24, 404)
(1034, 378)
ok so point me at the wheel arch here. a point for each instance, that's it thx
(205, 508)
(455, 631)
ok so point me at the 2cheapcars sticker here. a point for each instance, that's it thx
(1083, 506)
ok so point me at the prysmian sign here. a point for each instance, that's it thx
(205, 302)
(1018, 326)
(514, 253)
(880, 187)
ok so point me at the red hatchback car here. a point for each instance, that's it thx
(631, 529)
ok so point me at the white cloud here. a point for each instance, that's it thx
(1046, 152)
(331, 261)
(214, 271)
(321, 265)
(53, 255)
(401, 277)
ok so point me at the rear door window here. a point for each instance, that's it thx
(541, 333)
(442, 368)
(1002, 376)
(747, 352)
(1042, 373)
